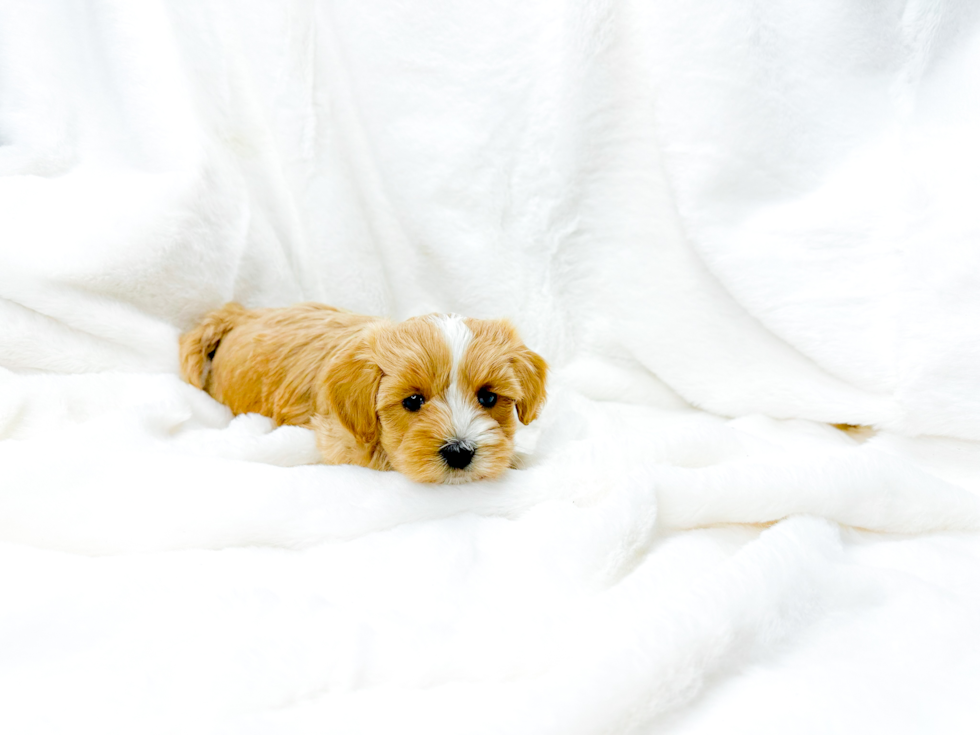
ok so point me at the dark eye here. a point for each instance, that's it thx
(413, 403)
(486, 398)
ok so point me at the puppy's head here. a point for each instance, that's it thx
(440, 393)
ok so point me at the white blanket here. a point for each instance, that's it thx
(726, 225)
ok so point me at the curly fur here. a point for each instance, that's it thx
(345, 376)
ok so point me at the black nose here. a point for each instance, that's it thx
(457, 456)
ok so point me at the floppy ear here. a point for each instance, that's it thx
(352, 389)
(532, 371)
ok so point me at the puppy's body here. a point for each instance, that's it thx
(432, 397)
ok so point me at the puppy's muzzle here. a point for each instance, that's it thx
(457, 455)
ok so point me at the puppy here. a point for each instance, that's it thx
(433, 397)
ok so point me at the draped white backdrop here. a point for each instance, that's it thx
(725, 224)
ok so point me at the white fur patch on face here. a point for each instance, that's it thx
(469, 424)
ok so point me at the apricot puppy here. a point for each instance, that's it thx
(432, 397)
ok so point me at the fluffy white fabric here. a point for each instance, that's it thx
(725, 224)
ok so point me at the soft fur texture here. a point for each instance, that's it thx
(767, 209)
(346, 376)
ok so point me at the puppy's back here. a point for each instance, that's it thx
(267, 360)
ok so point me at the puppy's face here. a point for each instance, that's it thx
(440, 394)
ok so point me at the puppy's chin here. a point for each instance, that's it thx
(422, 462)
